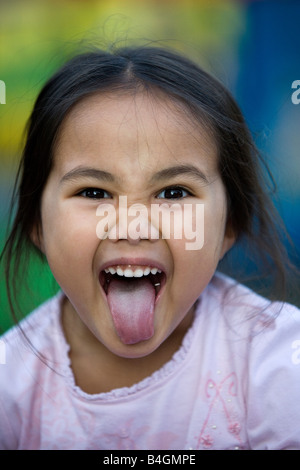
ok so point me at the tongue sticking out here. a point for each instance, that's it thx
(131, 303)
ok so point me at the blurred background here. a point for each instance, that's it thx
(253, 47)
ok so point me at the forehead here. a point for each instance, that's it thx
(136, 125)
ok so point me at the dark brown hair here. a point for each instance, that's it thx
(251, 211)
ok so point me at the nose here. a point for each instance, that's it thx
(132, 223)
(135, 225)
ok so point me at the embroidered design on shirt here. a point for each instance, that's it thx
(221, 397)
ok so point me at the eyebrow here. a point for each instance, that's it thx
(87, 172)
(179, 170)
(166, 173)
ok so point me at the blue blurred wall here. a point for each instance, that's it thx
(269, 55)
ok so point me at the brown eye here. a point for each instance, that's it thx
(173, 193)
(95, 193)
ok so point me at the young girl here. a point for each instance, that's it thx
(146, 345)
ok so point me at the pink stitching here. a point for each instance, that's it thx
(207, 441)
(233, 427)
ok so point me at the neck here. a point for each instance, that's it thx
(98, 370)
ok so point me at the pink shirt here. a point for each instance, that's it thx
(233, 384)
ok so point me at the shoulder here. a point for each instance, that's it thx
(35, 336)
(27, 351)
(263, 341)
(274, 380)
(239, 304)
(51, 305)
(272, 367)
(240, 318)
(36, 326)
(258, 320)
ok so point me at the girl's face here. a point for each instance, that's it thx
(147, 150)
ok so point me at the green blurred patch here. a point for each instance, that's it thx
(37, 37)
(35, 286)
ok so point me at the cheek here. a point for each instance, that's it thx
(188, 270)
(214, 229)
(69, 241)
(193, 268)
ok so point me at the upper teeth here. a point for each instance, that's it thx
(129, 272)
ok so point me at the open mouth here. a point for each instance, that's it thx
(132, 292)
(129, 273)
